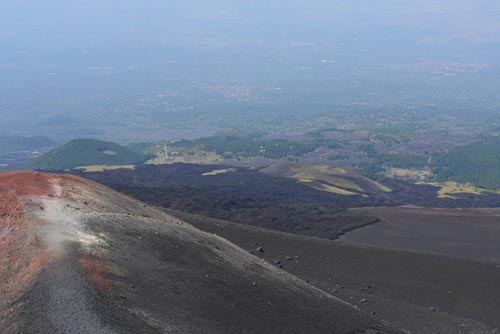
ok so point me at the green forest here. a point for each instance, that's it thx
(86, 152)
(477, 163)
(236, 146)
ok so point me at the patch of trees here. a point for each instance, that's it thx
(381, 162)
(477, 163)
(86, 152)
(338, 156)
(369, 149)
(406, 161)
(236, 146)
(142, 147)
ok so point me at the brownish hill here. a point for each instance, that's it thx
(331, 179)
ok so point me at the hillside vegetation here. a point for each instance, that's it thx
(237, 146)
(18, 143)
(477, 163)
(87, 152)
(449, 189)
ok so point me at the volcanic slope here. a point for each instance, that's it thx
(77, 257)
(421, 293)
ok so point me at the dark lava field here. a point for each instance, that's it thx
(421, 263)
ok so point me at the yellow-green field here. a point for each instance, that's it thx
(329, 179)
(202, 158)
(379, 185)
(102, 168)
(449, 188)
(328, 188)
(325, 178)
(219, 171)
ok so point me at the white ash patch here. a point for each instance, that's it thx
(64, 223)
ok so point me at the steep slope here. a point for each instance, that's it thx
(76, 257)
(419, 292)
(86, 152)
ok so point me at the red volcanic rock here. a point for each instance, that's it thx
(34, 183)
(22, 255)
(97, 272)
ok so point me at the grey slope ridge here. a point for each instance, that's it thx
(165, 276)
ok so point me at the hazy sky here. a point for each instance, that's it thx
(60, 50)
(48, 32)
